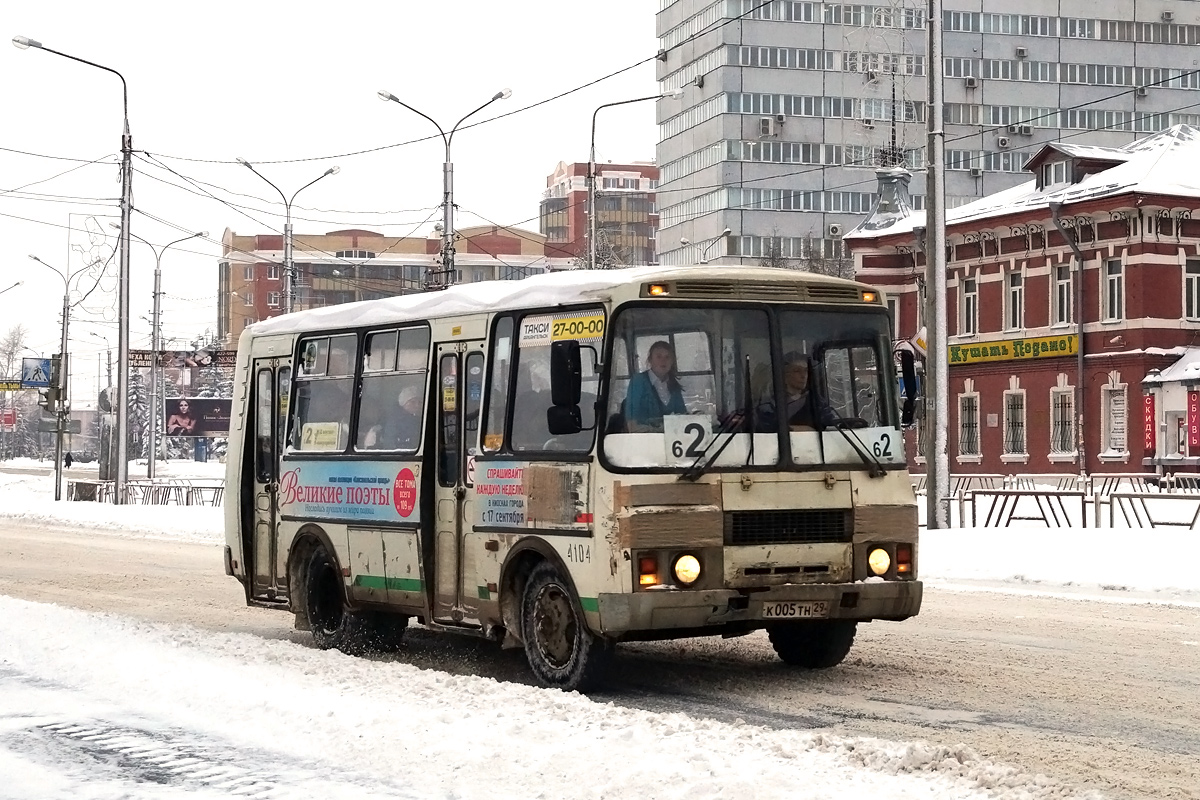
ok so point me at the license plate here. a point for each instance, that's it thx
(815, 609)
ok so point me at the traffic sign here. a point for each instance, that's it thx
(35, 373)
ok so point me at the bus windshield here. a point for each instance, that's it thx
(758, 384)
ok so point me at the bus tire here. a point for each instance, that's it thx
(813, 644)
(334, 625)
(561, 651)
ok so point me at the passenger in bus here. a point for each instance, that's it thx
(402, 429)
(805, 409)
(655, 392)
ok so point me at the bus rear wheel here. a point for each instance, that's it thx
(334, 625)
(561, 651)
(813, 644)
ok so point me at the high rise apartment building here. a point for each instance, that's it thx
(626, 213)
(789, 106)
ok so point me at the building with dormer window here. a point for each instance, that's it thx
(1059, 363)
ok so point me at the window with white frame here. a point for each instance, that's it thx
(1014, 419)
(968, 318)
(273, 272)
(1114, 290)
(968, 421)
(248, 272)
(1014, 301)
(1191, 289)
(248, 299)
(1061, 301)
(1062, 419)
(1115, 416)
(273, 299)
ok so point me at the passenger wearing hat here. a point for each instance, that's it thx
(402, 428)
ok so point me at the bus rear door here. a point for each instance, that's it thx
(272, 388)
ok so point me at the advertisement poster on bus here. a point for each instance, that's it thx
(360, 491)
(500, 493)
(197, 416)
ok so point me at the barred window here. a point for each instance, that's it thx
(1014, 423)
(1062, 421)
(968, 424)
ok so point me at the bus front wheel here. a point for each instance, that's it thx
(334, 625)
(561, 651)
(813, 644)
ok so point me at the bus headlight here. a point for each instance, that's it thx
(879, 561)
(687, 569)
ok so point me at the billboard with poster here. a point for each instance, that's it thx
(197, 416)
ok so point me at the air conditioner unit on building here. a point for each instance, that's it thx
(1025, 130)
(1022, 52)
(1013, 128)
(767, 126)
(871, 75)
(1003, 142)
(1142, 91)
(834, 230)
(976, 172)
(1168, 16)
(868, 122)
(970, 81)
(779, 118)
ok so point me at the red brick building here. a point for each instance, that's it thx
(626, 217)
(1014, 318)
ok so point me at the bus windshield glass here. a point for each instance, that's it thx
(723, 387)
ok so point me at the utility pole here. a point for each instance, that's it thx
(937, 394)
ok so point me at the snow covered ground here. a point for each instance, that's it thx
(99, 706)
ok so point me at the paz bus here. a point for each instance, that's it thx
(573, 460)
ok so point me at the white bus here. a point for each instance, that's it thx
(577, 459)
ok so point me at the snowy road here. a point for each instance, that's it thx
(187, 691)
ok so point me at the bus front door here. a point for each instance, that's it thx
(459, 393)
(272, 387)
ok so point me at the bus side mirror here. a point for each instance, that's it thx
(566, 374)
(908, 375)
(563, 420)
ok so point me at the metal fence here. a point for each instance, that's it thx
(168, 491)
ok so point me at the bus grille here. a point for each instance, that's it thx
(787, 527)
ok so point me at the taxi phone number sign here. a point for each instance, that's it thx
(350, 490)
(543, 329)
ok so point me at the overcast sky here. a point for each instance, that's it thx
(285, 81)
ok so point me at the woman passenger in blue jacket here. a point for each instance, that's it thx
(654, 392)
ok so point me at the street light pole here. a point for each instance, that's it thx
(156, 345)
(122, 425)
(591, 173)
(62, 408)
(704, 248)
(447, 256)
(289, 271)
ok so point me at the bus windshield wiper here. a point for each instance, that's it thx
(743, 417)
(844, 424)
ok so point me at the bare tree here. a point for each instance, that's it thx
(11, 345)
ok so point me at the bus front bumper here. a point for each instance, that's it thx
(716, 608)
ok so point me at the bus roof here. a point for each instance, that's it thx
(538, 291)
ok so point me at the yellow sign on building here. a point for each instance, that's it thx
(1015, 349)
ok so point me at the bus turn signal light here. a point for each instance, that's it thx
(903, 559)
(869, 297)
(647, 571)
(657, 290)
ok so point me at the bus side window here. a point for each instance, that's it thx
(497, 400)
(472, 404)
(391, 403)
(323, 393)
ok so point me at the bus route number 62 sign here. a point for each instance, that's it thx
(686, 436)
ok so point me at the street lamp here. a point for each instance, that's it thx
(591, 175)
(447, 182)
(62, 407)
(289, 272)
(156, 342)
(704, 248)
(122, 425)
(15, 285)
